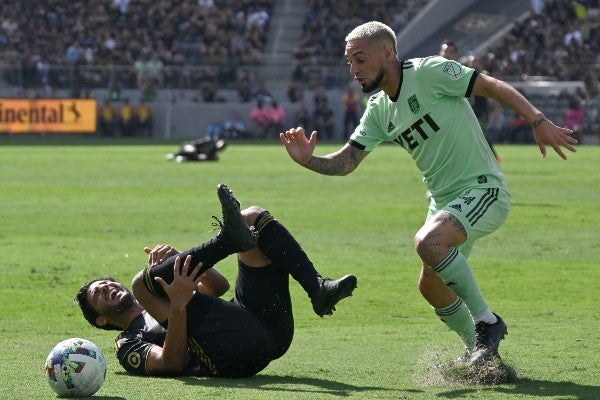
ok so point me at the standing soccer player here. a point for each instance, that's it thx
(422, 106)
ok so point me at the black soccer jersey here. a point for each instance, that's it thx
(225, 339)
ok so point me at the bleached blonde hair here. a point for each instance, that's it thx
(373, 30)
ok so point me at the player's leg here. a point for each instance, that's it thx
(472, 215)
(235, 236)
(450, 308)
(280, 247)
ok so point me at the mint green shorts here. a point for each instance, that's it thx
(481, 212)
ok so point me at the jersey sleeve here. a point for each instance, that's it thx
(447, 77)
(369, 132)
(132, 353)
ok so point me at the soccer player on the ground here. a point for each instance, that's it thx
(173, 325)
(423, 107)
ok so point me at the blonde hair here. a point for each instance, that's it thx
(373, 30)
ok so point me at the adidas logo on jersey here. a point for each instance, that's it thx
(456, 207)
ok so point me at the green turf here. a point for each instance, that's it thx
(72, 213)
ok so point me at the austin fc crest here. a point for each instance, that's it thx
(414, 105)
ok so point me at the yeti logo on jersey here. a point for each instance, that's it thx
(414, 105)
(482, 179)
(452, 69)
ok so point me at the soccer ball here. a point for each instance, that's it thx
(75, 368)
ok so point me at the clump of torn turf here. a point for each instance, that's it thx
(433, 372)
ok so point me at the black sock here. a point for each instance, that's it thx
(209, 253)
(282, 249)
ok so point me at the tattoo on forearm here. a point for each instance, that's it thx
(326, 165)
(341, 162)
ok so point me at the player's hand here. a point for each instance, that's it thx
(297, 145)
(548, 134)
(181, 290)
(159, 253)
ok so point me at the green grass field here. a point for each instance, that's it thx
(72, 213)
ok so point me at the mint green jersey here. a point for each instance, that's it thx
(433, 120)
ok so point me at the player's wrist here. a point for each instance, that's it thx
(538, 120)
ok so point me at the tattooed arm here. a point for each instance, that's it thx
(300, 149)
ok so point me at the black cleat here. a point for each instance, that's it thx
(330, 292)
(233, 223)
(487, 340)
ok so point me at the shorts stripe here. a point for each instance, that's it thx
(489, 198)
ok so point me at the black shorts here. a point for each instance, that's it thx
(241, 337)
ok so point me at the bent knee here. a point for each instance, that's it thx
(251, 213)
(137, 284)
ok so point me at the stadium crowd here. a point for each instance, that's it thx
(217, 36)
(209, 45)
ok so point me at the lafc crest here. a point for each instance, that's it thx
(413, 103)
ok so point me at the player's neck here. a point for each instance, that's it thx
(124, 319)
(393, 79)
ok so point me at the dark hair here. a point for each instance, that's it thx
(449, 43)
(88, 311)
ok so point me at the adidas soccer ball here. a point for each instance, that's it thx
(75, 368)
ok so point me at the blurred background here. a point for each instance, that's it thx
(248, 69)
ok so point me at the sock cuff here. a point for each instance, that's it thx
(450, 309)
(446, 261)
(262, 220)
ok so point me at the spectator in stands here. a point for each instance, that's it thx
(520, 131)
(495, 124)
(260, 116)
(448, 50)
(215, 129)
(574, 117)
(276, 119)
(319, 97)
(235, 126)
(143, 119)
(294, 92)
(351, 111)
(127, 118)
(302, 116)
(108, 119)
(324, 119)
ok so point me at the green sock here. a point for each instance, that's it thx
(458, 318)
(456, 273)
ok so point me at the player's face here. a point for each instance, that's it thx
(109, 297)
(365, 60)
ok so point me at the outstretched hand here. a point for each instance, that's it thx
(549, 134)
(297, 145)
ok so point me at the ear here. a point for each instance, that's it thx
(389, 52)
(101, 320)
